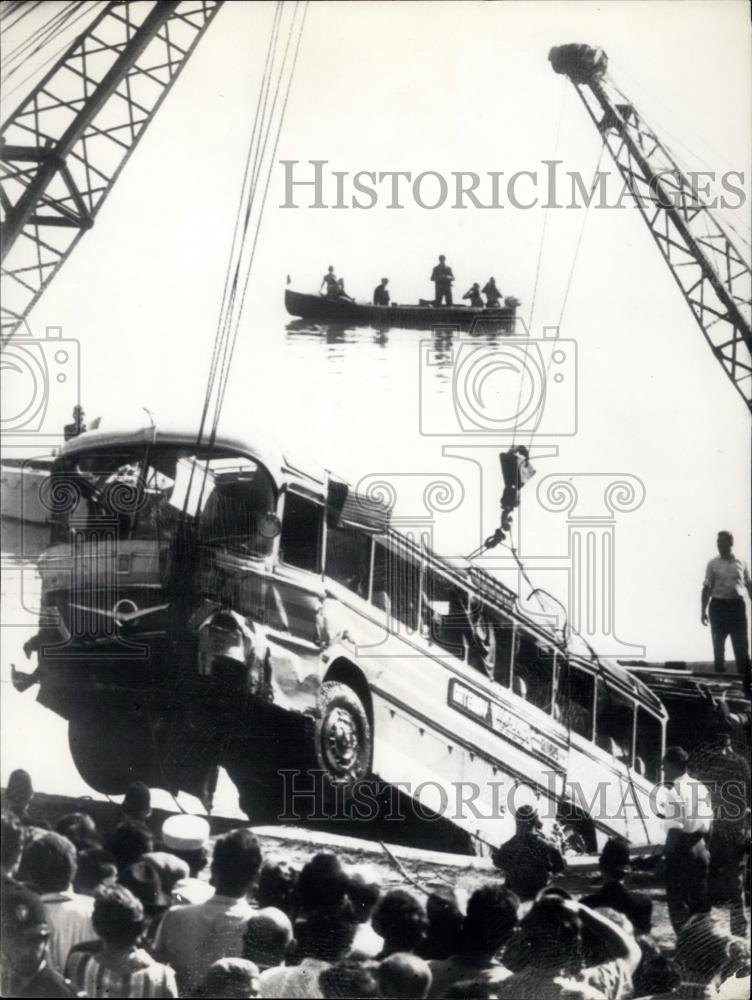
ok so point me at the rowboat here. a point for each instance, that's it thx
(423, 316)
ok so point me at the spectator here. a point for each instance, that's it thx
(19, 795)
(364, 895)
(171, 870)
(128, 843)
(187, 837)
(490, 920)
(636, 906)
(143, 880)
(11, 846)
(267, 938)
(24, 937)
(349, 980)
(702, 955)
(737, 969)
(444, 925)
(80, 829)
(50, 861)
(401, 921)
(323, 939)
(191, 938)
(136, 805)
(528, 860)
(547, 955)
(230, 979)
(404, 976)
(278, 887)
(94, 868)
(322, 882)
(115, 966)
(686, 805)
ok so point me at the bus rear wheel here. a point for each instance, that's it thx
(343, 741)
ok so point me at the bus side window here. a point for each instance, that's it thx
(649, 745)
(348, 559)
(444, 620)
(534, 673)
(575, 697)
(504, 633)
(396, 586)
(300, 542)
(614, 720)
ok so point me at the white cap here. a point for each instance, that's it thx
(184, 832)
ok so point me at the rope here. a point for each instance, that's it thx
(579, 240)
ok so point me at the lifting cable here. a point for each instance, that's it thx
(278, 73)
(44, 35)
(86, 12)
(559, 119)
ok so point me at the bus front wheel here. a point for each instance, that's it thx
(343, 736)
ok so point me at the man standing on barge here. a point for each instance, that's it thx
(726, 579)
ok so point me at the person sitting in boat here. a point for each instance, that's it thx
(473, 294)
(331, 282)
(492, 293)
(341, 293)
(442, 277)
(381, 293)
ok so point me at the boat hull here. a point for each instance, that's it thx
(21, 497)
(411, 317)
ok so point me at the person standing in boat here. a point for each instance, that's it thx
(331, 282)
(492, 293)
(473, 293)
(78, 426)
(381, 293)
(442, 277)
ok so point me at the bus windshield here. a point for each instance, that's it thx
(140, 493)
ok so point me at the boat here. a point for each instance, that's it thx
(422, 316)
(23, 486)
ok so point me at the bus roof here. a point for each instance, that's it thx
(277, 462)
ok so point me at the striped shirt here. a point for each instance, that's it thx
(140, 975)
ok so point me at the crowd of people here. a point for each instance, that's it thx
(140, 910)
(442, 277)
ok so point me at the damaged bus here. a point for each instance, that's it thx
(233, 606)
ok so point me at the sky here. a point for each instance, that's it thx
(440, 87)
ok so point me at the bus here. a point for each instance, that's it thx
(228, 604)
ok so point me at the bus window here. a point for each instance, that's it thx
(614, 719)
(348, 559)
(575, 697)
(649, 745)
(300, 543)
(234, 510)
(534, 672)
(396, 586)
(504, 635)
(442, 610)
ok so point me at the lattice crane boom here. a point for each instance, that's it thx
(714, 277)
(63, 148)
